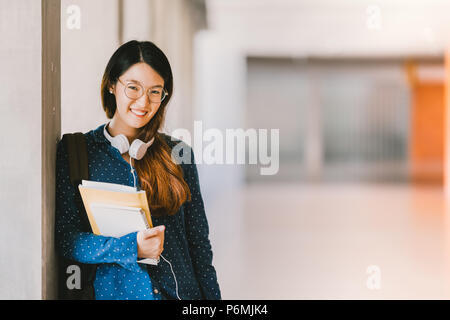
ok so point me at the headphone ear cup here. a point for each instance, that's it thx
(138, 149)
(121, 143)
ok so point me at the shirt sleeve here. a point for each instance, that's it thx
(85, 247)
(197, 230)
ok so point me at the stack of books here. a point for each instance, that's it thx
(115, 210)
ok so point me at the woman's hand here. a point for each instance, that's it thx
(150, 242)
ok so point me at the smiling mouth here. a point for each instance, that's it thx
(139, 114)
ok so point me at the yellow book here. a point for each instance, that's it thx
(116, 208)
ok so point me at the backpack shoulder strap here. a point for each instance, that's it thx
(76, 147)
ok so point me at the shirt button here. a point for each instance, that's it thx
(156, 291)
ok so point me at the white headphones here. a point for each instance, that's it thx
(137, 149)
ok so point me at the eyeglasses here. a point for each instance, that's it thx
(134, 91)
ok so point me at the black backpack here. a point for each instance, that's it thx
(75, 144)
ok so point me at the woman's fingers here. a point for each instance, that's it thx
(151, 242)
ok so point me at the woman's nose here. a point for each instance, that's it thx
(143, 101)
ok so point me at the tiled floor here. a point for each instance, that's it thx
(290, 241)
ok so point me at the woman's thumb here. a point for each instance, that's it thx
(153, 231)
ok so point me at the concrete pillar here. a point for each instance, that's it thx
(221, 69)
(314, 151)
(29, 102)
(173, 28)
(51, 133)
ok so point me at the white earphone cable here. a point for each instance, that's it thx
(132, 171)
(174, 277)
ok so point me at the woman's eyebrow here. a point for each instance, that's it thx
(132, 80)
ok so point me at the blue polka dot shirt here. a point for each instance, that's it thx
(118, 275)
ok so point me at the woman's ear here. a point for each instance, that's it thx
(111, 90)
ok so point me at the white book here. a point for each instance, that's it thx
(117, 221)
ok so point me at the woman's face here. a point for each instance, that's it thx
(136, 113)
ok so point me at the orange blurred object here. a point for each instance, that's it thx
(427, 125)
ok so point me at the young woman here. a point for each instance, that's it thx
(136, 88)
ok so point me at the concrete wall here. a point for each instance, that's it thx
(85, 50)
(358, 28)
(20, 165)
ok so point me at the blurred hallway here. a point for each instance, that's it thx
(360, 94)
(290, 241)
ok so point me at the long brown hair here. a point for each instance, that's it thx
(161, 178)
